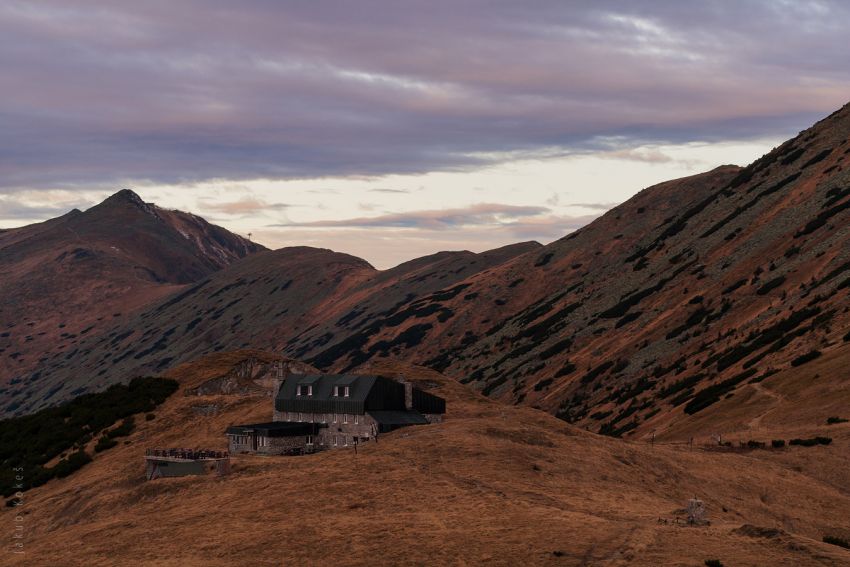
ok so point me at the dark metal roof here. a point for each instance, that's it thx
(275, 429)
(428, 403)
(365, 393)
(379, 391)
(391, 417)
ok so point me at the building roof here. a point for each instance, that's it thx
(323, 400)
(275, 429)
(365, 393)
(391, 417)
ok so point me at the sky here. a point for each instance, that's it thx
(391, 130)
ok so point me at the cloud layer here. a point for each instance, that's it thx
(475, 215)
(169, 92)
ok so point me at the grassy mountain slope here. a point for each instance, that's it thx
(265, 300)
(73, 276)
(647, 317)
(493, 484)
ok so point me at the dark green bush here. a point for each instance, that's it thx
(777, 443)
(122, 430)
(567, 368)
(804, 358)
(713, 393)
(771, 285)
(811, 442)
(840, 542)
(31, 441)
(544, 259)
(70, 464)
(104, 443)
(818, 158)
(834, 420)
(713, 563)
(594, 373)
(734, 286)
(557, 348)
(776, 333)
(793, 156)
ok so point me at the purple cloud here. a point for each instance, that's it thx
(166, 92)
(480, 214)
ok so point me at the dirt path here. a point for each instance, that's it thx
(755, 422)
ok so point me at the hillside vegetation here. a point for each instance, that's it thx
(493, 484)
(60, 434)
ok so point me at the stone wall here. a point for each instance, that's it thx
(345, 433)
(272, 446)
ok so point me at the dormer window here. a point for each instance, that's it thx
(305, 390)
(341, 391)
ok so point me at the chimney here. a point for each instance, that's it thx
(408, 393)
(278, 380)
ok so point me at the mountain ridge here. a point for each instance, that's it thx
(618, 326)
(65, 276)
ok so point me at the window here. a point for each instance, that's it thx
(341, 391)
(309, 439)
(345, 418)
(344, 440)
(305, 390)
(356, 418)
(334, 440)
(300, 416)
(335, 418)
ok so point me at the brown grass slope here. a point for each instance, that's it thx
(493, 484)
(266, 300)
(728, 289)
(711, 280)
(708, 281)
(75, 275)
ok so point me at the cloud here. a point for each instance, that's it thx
(166, 92)
(646, 155)
(244, 206)
(595, 206)
(387, 246)
(475, 215)
(19, 208)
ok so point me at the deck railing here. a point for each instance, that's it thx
(187, 454)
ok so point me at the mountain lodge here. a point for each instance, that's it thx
(322, 411)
